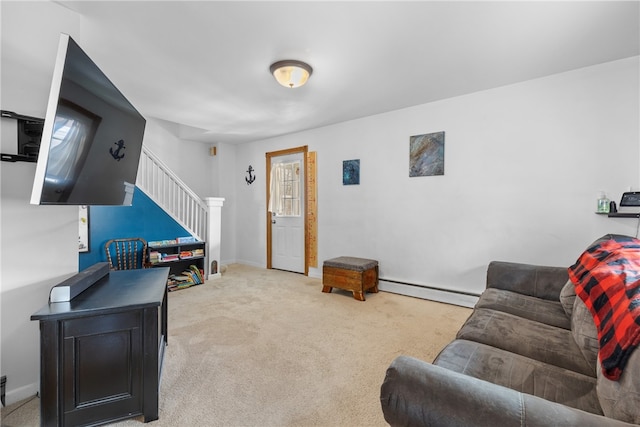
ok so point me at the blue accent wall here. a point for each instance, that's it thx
(144, 218)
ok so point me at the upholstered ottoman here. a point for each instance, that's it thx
(352, 274)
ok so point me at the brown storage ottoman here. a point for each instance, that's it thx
(351, 274)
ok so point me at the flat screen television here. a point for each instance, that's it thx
(91, 137)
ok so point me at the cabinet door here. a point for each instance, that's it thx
(102, 367)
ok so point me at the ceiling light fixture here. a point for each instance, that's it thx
(291, 73)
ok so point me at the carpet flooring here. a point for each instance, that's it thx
(264, 347)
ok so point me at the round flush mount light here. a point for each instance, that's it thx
(291, 73)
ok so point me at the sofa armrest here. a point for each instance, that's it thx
(416, 393)
(535, 280)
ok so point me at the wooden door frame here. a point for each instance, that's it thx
(303, 149)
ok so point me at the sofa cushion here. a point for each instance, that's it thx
(548, 344)
(521, 373)
(532, 308)
(536, 280)
(568, 297)
(585, 333)
(621, 399)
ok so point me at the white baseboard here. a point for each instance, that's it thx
(316, 273)
(249, 263)
(439, 295)
(21, 393)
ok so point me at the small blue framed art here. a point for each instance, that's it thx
(351, 172)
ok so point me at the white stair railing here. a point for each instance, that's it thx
(159, 182)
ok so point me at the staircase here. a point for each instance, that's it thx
(201, 218)
(159, 182)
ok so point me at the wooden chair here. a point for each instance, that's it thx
(128, 254)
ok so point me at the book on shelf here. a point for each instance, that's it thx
(170, 257)
(190, 277)
(188, 239)
(192, 254)
(176, 286)
(194, 275)
(155, 257)
(176, 241)
(199, 274)
(163, 243)
(179, 281)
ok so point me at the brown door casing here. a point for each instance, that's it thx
(303, 149)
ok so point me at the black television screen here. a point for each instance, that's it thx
(91, 138)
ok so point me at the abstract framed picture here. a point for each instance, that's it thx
(426, 154)
(351, 172)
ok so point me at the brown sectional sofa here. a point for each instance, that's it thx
(527, 355)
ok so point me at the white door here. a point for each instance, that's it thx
(287, 207)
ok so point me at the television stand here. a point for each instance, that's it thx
(101, 353)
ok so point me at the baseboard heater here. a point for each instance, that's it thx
(449, 296)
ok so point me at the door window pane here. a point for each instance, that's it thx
(288, 189)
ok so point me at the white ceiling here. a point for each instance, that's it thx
(205, 64)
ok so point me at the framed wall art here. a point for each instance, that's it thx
(351, 172)
(426, 154)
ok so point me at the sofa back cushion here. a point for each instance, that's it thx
(584, 333)
(567, 297)
(621, 399)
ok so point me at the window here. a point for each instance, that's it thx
(285, 189)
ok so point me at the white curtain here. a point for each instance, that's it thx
(275, 198)
(285, 189)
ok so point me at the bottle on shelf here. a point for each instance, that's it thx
(603, 203)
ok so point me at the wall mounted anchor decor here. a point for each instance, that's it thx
(251, 177)
(116, 154)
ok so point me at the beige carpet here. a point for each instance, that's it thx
(267, 348)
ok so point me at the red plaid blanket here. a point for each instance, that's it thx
(607, 279)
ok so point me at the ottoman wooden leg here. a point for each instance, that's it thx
(327, 289)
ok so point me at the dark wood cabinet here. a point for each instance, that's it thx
(102, 352)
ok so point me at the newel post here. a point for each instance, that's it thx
(213, 235)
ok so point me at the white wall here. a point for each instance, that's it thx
(250, 208)
(190, 160)
(230, 180)
(38, 244)
(523, 167)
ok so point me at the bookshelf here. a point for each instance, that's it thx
(186, 262)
